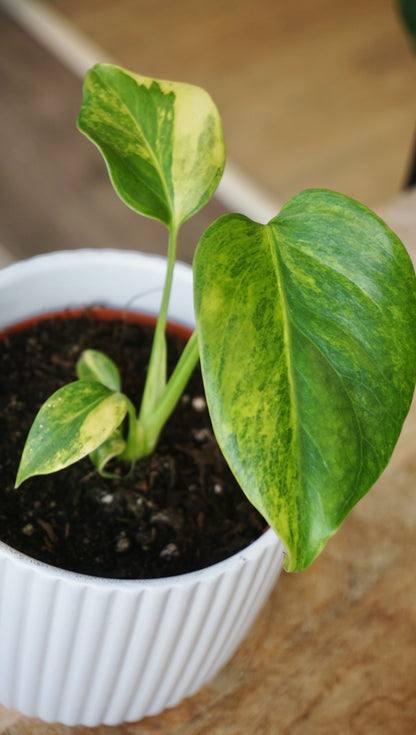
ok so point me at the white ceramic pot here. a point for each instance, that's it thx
(83, 650)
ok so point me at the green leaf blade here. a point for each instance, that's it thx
(308, 351)
(162, 141)
(76, 419)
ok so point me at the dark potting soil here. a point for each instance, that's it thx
(180, 510)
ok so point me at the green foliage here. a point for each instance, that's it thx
(305, 326)
(162, 141)
(74, 421)
(308, 343)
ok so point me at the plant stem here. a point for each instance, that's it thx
(134, 448)
(156, 375)
(159, 396)
(162, 318)
(174, 388)
(143, 435)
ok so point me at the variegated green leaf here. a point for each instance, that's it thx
(75, 420)
(162, 141)
(95, 365)
(307, 333)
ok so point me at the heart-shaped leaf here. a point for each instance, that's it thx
(307, 334)
(74, 421)
(162, 141)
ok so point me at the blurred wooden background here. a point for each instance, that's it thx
(311, 94)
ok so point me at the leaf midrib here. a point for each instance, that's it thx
(147, 145)
(273, 248)
(278, 263)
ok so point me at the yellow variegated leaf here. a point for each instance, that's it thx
(162, 141)
(307, 333)
(74, 421)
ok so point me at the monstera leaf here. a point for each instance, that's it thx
(162, 141)
(307, 336)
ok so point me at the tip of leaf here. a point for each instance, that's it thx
(21, 477)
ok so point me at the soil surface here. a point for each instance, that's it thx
(180, 510)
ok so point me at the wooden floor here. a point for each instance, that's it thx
(312, 93)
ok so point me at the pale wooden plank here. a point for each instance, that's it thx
(8, 717)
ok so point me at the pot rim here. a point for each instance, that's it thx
(38, 261)
(234, 562)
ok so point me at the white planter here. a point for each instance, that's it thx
(84, 650)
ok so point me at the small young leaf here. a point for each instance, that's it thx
(94, 365)
(75, 420)
(308, 350)
(162, 141)
(108, 450)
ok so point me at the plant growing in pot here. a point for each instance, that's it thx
(305, 333)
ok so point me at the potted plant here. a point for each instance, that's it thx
(305, 333)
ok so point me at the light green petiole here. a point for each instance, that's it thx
(156, 375)
(159, 396)
(172, 393)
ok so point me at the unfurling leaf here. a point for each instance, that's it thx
(75, 420)
(108, 450)
(96, 366)
(307, 334)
